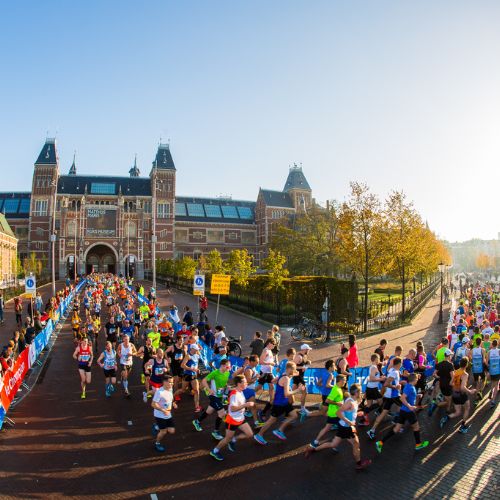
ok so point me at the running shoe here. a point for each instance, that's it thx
(258, 424)
(422, 445)
(370, 434)
(443, 421)
(145, 397)
(216, 455)
(378, 446)
(364, 421)
(464, 429)
(314, 444)
(108, 394)
(113, 388)
(217, 435)
(231, 446)
(159, 447)
(196, 425)
(303, 417)
(432, 408)
(363, 464)
(83, 396)
(305, 411)
(279, 434)
(260, 439)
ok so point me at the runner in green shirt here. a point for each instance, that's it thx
(334, 401)
(215, 384)
(155, 338)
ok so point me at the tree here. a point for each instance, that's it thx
(310, 244)
(274, 264)
(403, 225)
(17, 267)
(185, 268)
(240, 266)
(214, 263)
(483, 261)
(32, 265)
(363, 238)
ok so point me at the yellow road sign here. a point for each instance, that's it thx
(199, 293)
(220, 284)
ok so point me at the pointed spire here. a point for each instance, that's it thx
(134, 171)
(48, 154)
(72, 170)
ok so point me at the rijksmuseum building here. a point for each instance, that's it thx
(117, 224)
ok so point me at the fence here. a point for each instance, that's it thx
(387, 313)
(13, 379)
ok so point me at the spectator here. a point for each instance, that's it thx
(380, 350)
(203, 304)
(219, 335)
(18, 309)
(352, 357)
(257, 344)
(208, 336)
(188, 317)
(2, 305)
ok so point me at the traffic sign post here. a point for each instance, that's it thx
(220, 285)
(199, 285)
(30, 285)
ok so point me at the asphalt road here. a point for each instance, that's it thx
(99, 448)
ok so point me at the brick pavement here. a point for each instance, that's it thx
(63, 446)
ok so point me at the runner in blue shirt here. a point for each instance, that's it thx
(406, 414)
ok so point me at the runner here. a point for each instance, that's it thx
(494, 368)
(391, 394)
(146, 352)
(373, 398)
(126, 352)
(302, 363)
(75, 324)
(162, 405)
(107, 361)
(235, 419)
(190, 366)
(176, 354)
(347, 428)
(83, 354)
(479, 367)
(334, 401)
(281, 406)
(111, 331)
(461, 396)
(156, 367)
(218, 382)
(267, 362)
(408, 414)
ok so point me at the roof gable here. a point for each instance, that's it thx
(163, 158)
(276, 198)
(296, 179)
(48, 154)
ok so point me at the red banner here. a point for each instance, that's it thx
(13, 379)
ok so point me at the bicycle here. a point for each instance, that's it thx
(309, 329)
(234, 346)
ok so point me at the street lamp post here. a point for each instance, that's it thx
(441, 268)
(53, 239)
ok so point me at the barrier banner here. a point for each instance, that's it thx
(13, 379)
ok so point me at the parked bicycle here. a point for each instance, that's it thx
(234, 346)
(308, 329)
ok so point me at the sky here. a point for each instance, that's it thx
(398, 94)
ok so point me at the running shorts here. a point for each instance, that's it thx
(215, 403)
(126, 368)
(154, 384)
(84, 366)
(372, 393)
(110, 373)
(406, 416)
(189, 378)
(459, 398)
(265, 378)
(165, 423)
(446, 390)
(278, 410)
(345, 432)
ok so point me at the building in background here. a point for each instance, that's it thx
(8, 251)
(116, 224)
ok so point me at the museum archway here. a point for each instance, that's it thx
(100, 258)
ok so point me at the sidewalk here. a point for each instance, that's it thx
(425, 327)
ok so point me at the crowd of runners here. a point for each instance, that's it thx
(115, 329)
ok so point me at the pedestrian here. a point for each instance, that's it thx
(2, 306)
